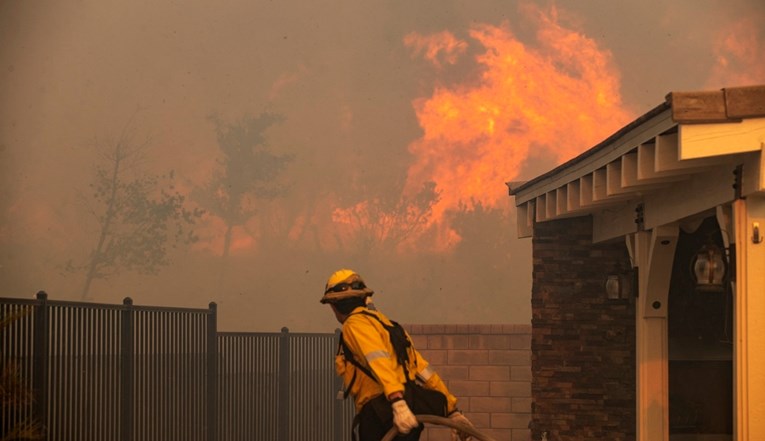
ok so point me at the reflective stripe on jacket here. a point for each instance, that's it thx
(370, 344)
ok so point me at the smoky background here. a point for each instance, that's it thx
(398, 125)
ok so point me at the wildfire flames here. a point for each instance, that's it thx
(553, 98)
(433, 48)
(558, 97)
(493, 101)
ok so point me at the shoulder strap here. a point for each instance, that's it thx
(399, 341)
(348, 355)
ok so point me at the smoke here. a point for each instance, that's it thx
(404, 121)
(737, 49)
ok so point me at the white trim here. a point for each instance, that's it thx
(710, 140)
(603, 156)
(425, 374)
(749, 333)
(374, 355)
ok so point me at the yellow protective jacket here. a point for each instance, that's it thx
(371, 347)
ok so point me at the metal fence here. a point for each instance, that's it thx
(137, 373)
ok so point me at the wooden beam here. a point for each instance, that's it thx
(646, 158)
(729, 104)
(574, 196)
(745, 102)
(667, 159)
(550, 204)
(698, 107)
(531, 215)
(597, 157)
(713, 140)
(592, 190)
(600, 195)
(600, 184)
(753, 167)
(632, 163)
(614, 179)
(614, 221)
(660, 159)
(700, 193)
(561, 201)
(524, 219)
(615, 182)
(572, 201)
(540, 208)
(689, 197)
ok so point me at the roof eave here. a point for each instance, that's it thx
(657, 120)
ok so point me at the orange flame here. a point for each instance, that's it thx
(560, 97)
(431, 46)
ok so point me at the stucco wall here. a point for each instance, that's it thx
(583, 344)
(488, 367)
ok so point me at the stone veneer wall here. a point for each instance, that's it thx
(583, 344)
(488, 368)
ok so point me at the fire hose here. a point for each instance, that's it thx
(441, 421)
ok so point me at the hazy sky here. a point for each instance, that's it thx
(378, 99)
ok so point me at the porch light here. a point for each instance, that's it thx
(619, 286)
(613, 287)
(709, 268)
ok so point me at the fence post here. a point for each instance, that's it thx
(127, 375)
(212, 373)
(41, 361)
(339, 402)
(284, 385)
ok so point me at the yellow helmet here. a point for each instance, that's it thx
(343, 284)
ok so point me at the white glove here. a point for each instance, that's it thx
(457, 435)
(403, 418)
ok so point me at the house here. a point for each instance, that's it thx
(648, 295)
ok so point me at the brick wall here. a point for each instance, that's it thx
(583, 344)
(488, 367)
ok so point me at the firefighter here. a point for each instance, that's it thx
(388, 378)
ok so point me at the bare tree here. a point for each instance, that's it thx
(138, 214)
(386, 221)
(248, 172)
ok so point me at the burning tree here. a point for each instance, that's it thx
(248, 171)
(385, 222)
(138, 214)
